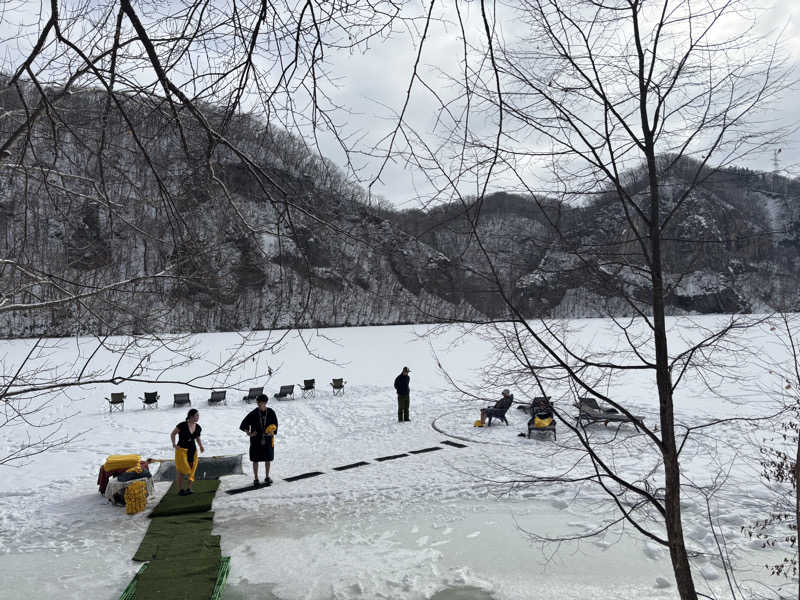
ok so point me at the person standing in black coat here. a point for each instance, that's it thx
(401, 384)
(261, 426)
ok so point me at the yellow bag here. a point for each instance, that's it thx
(135, 497)
(120, 462)
(539, 423)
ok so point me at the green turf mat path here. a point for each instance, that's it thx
(184, 558)
(199, 501)
(161, 534)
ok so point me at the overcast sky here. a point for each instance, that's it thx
(372, 84)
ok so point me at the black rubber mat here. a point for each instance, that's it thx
(454, 444)
(424, 450)
(303, 476)
(247, 488)
(351, 466)
(390, 457)
(208, 467)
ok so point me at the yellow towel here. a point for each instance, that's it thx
(118, 462)
(182, 462)
(539, 423)
(135, 497)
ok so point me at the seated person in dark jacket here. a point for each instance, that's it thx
(499, 408)
(261, 426)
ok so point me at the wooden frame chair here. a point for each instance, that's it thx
(499, 410)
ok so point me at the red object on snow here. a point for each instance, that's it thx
(103, 476)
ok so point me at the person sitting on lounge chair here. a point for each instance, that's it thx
(499, 409)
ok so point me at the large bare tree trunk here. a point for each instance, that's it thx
(797, 505)
(669, 451)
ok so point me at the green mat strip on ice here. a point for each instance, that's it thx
(219, 584)
(184, 558)
(222, 577)
(199, 501)
(130, 591)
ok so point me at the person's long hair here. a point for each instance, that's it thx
(192, 412)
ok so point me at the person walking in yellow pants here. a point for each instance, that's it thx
(188, 440)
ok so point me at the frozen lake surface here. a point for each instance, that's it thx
(445, 525)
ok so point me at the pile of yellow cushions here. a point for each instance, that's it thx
(120, 462)
(135, 497)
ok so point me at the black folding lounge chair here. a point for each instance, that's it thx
(150, 400)
(116, 402)
(217, 397)
(181, 400)
(498, 411)
(542, 417)
(307, 388)
(253, 394)
(286, 392)
(338, 386)
(590, 412)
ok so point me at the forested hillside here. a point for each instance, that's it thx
(184, 233)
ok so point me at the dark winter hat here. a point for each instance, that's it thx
(262, 398)
(406, 370)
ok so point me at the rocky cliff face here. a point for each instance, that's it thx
(731, 247)
(156, 230)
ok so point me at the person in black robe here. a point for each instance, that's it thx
(261, 426)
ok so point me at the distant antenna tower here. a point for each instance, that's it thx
(775, 168)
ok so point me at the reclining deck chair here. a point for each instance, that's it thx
(542, 417)
(217, 397)
(338, 386)
(181, 400)
(590, 411)
(116, 402)
(307, 388)
(150, 400)
(253, 394)
(286, 392)
(498, 411)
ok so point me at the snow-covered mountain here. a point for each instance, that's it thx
(183, 233)
(730, 246)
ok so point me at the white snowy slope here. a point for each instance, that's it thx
(440, 525)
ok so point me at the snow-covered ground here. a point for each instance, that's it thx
(441, 525)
